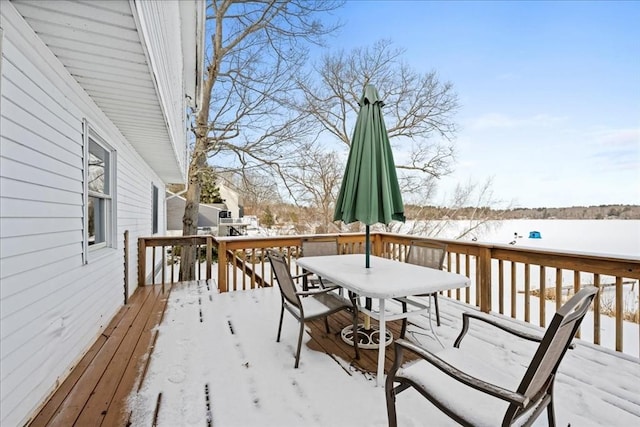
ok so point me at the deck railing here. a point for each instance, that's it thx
(504, 278)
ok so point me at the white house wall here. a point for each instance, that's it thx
(52, 305)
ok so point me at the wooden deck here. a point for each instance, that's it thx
(96, 390)
(333, 344)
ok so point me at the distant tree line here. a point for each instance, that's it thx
(573, 212)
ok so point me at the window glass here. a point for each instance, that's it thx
(98, 168)
(99, 197)
(97, 223)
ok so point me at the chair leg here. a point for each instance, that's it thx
(550, 413)
(355, 333)
(403, 330)
(280, 324)
(299, 343)
(391, 404)
(326, 324)
(435, 300)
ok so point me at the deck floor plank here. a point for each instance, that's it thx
(47, 412)
(68, 402)
(105, 389)
(117, 413)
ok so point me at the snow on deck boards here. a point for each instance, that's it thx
(95, 391)
(216, 362)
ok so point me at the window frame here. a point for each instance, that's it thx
(107, 198)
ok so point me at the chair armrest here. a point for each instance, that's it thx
(317, 291)
(466, 316)
(458, 375)
(308, 273)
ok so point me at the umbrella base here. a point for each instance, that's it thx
(368, 339)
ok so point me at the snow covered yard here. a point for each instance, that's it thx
(216, 362)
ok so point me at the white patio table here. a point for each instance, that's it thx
(385, 279)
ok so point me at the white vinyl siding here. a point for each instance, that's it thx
(52, 304)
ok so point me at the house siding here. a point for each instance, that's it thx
(53, 305)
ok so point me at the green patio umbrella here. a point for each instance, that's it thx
(370, 192)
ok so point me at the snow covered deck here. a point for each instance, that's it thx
(216, 362)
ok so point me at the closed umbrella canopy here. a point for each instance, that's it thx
(370, 192)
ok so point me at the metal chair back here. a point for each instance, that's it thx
(427, 254)
(283, 277)
(319, 246)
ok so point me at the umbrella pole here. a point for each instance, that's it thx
(367, 252)
(367, 247)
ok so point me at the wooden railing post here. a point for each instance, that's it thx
(209, 255)
(484, 279)
(142, 261)
(222, 266)
(376, 244)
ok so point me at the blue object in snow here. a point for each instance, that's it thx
(535, 235)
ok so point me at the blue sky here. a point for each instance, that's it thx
(550, 91)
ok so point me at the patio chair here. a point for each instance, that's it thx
(317, 246)
(426, 254)
(308, 305)
(452, 379)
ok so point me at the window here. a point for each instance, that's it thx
(99, 192)
(155, 210)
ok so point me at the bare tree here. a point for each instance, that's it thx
(256, 49)
(258, 190)
(313, 180)
(471, 202)
(419, 111)
(418, 106)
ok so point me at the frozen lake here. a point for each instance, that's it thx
(618, 238)
(612, 237)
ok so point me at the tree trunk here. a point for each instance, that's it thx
(188, 256)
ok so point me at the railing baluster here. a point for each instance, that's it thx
(596, 311)
(262, 259)
(234, 266)
(500, 286)
(172, 260)
(253, 268)
(153, 265)
(164, 263)
(543, 297)
(209, 256)
(467, 271)
(527, 293)
(458, 291)
(558, 288)
(619, 314)
(576, 288)
(514, 289)
(448, 267)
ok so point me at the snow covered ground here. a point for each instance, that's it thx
(227, 370)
